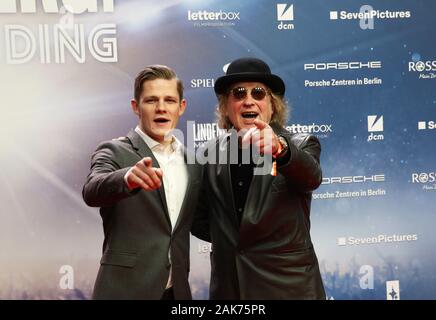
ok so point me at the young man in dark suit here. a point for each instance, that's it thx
(146, 193)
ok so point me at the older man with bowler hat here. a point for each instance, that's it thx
(259, 224)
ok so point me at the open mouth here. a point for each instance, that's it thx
(249, 115)
(161, 120)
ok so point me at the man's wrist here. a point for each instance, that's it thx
(282, 147)
(126, 182)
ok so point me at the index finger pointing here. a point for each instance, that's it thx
(260, 124)
(247, 136)
(147, 161)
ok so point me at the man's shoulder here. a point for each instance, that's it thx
(120, 143)
(121, 140)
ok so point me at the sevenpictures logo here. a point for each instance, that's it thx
(51, 42)
(426, 125)
(367, 15)
(377, 239)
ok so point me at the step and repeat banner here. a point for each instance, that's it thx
(361, 76)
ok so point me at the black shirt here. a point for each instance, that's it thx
(241, 174)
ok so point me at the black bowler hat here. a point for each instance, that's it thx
(249, 69)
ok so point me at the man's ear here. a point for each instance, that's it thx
(182, 107)
(135, 107)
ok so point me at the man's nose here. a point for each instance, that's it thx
(160, 105)
(248, 101)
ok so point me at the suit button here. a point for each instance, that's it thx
(168, 265)
(239, 209)
(241, 252)
(240, 183)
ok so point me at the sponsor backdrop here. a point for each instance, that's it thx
(360, 75)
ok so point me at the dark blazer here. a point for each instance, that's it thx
(270, 255)
(137, 227)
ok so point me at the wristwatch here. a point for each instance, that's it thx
(283, 147)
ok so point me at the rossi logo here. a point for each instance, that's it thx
(285, 13)
(426, 69)
(426, 179)
(421, 66)
(423, 177)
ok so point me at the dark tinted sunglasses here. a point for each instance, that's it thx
(240, 93)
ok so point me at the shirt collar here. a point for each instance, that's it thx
(176, 145)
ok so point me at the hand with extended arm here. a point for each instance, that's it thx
(144, 175)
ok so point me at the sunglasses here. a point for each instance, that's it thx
(240, 93)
